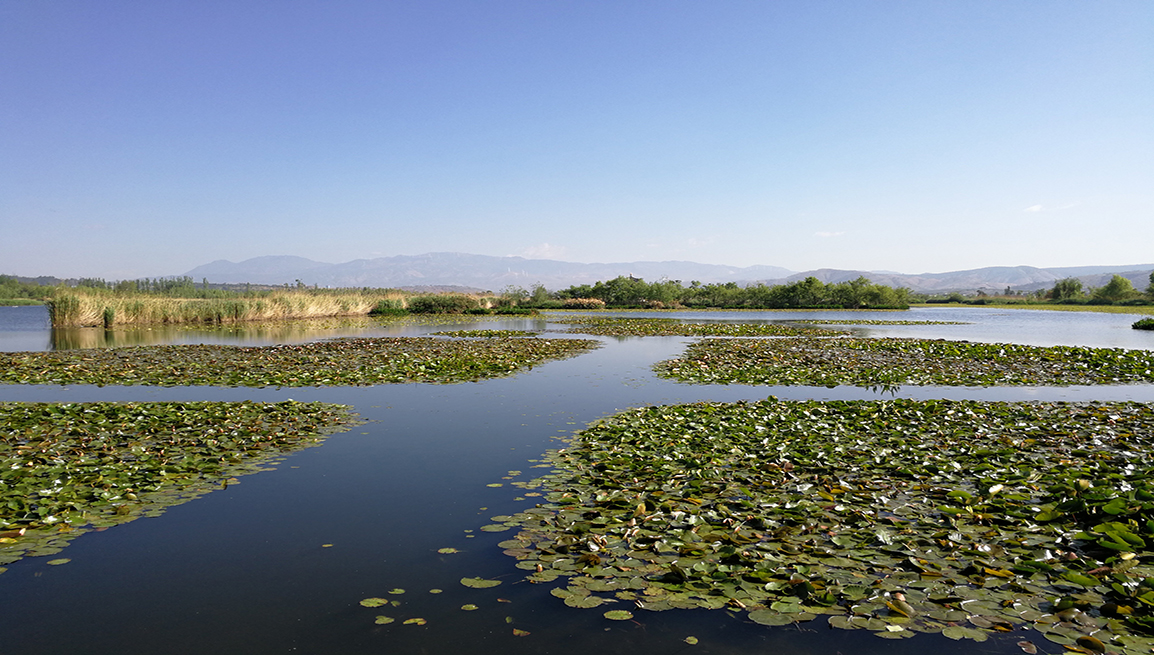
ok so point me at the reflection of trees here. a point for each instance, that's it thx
(236, 333)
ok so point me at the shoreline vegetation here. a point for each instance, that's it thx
(171, 301)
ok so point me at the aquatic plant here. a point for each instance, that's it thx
(66, 468)
(897, 517)
(669, 327)
(1144, 324)
(362, 361)
(873, 362)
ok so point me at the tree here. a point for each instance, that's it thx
(1066, 289)
(1116, 290)
(539, 294)
(1150, 289)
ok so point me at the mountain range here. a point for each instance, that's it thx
(487, 273)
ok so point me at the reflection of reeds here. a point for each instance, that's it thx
(94, 309)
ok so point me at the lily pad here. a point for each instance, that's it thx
(479, 583)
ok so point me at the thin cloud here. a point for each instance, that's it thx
(544, 251)
(827, 235)
(1041, 208)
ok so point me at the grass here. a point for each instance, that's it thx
(82, 308)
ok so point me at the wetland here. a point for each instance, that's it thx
(461, 510)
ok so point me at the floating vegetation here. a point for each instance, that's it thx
(873, 362)
(1144, 324)
(953, 517)
(489, 334)
(479, 583)
(877, 322)
(73, 467)
(669, 327)
(362, 361)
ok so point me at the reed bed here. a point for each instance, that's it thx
(83, 309)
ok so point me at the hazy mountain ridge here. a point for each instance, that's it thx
(494, 273)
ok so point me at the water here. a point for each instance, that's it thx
(244, 570)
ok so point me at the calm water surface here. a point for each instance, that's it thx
(243, 570)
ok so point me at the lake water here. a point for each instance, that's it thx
(243, 570)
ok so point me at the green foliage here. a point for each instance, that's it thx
(807, 293)
(322, 363)
(76, 466)
(1067, 289)
(1118, 289)
(895, 516)
(1144, 324)
(13, 289)
(448, 303)
(389, 307)
(892, 362)
(668, 327)
(63, 309)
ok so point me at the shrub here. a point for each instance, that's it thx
(583, 303)
(442, 304)
(1144, 324)
(389, 307)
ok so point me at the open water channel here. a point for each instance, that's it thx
(279, 563)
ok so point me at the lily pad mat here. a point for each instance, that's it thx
(66, 468)
(362, 361)
(898, 361)
(899, 516)
(670, 327)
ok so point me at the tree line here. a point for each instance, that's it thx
(1118, 291)
(810, 293)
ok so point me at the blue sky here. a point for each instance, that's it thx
(146, 138)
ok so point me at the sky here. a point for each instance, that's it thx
(142, 139)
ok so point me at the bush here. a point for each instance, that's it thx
(389, 307)
(442, 304)
(583, 303)
(1144, 324)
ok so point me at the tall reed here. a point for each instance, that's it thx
(83, 309)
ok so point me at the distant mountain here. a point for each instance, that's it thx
(477, 271)
(447, 269)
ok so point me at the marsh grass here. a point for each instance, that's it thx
(84, 309)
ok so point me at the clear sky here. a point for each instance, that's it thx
(146, 138)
